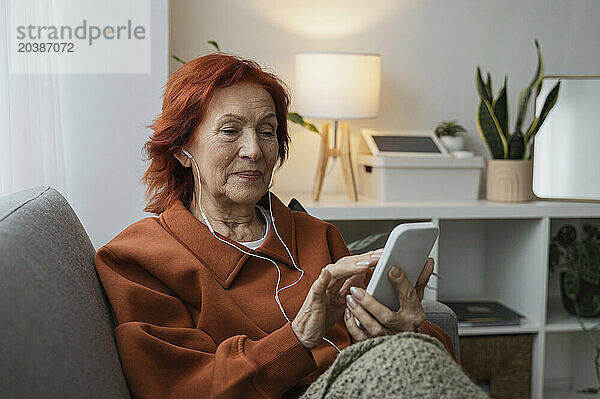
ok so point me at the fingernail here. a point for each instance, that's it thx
(396, 271)
(357, 293)
(379, 250)
(362, 263)
(376, 255)
(351, 302)
(347, 313)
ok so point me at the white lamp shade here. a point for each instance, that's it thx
(337, 85)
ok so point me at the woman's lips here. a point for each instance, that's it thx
(249, 174)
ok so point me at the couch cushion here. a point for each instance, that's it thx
(57, 329)
(442, 316)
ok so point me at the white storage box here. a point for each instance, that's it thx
(405, 178)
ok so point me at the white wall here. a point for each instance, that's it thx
(429, 50)
(103, 119)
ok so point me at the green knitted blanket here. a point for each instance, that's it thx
(404, 365)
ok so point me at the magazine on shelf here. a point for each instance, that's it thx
(483, 314)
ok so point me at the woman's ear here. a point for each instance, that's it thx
(182, 158)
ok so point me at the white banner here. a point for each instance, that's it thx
(79, 36)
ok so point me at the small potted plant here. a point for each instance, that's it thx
(509, 172)
(450, 133)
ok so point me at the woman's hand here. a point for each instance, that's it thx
(325, 301)
(376, 318)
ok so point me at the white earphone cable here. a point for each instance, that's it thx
(277, 289)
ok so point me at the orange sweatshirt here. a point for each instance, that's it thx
(197, 318)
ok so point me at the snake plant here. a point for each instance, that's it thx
(492, 114)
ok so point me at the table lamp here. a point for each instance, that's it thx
(337, 86)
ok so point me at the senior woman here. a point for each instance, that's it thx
(227, 292)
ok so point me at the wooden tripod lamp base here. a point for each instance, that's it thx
(343, 152)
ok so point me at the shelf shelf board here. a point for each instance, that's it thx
(526, 327)
(339, 207)
(565, 394)
(558, 320)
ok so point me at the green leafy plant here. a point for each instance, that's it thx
(363, 243)
(297, 118)
(492, 114)
(178, 59)
(449, 128)
(214, 44)
(211, 42)
(580, 261)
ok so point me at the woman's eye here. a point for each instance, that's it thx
(268, 132)
(229, 131)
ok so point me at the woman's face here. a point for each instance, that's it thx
(236, 144)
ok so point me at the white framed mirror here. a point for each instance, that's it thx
(566, 149)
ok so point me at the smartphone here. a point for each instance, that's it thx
(408, 246)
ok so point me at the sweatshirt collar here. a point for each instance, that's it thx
(224, 261)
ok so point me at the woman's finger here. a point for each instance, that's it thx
(355, 331)
(379, 311)
(353, 264)
(319, 287)
(407, 294)
(357, 280)
(333, 292)
(424, 277)
(338, 295)
(370, 324)
(411, 313)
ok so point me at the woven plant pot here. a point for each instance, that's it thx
(509, 180)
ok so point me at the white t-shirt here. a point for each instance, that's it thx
(258, 243)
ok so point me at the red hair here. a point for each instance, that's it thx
(187, 95)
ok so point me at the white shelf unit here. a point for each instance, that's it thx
(495, 251)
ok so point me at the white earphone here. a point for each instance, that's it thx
(277, 289)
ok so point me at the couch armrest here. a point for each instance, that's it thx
(445, 318)
(57, 332)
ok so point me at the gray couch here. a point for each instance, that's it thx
(57, 329)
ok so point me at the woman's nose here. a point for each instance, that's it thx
(250, 145)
